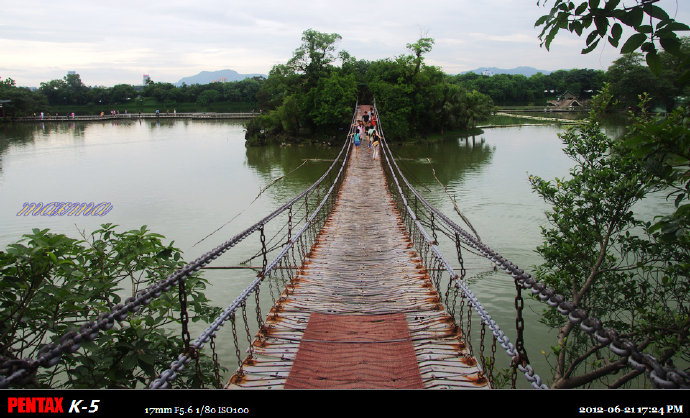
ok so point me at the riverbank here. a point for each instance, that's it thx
(498, 120)
(135, 116)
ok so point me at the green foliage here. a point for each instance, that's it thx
(208, 96)
(630, 77)
(663, 148)
(23, 102)
(289, 115)
(314, 57)
(69, 94)
(69, 90)
(602, 258)
(518, 90)
(308, 96)
(419, 48)
(52, 283)
(654, 28)
(644, 291)
(332, 100)
(311, 97)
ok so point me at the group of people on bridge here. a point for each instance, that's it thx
(365, 129)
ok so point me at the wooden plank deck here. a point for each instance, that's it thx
(363, 313)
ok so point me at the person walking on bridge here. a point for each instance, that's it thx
(361, 129)
(370, 135)
(356, 141)
(376, 144)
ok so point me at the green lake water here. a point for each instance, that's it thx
(186, 179)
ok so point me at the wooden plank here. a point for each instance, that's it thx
(362, 263)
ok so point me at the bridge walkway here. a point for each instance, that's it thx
(362, 312)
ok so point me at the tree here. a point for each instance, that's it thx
(208, 96)
(122, 93)
(661, 32)
(98, 95)
(673, 156)
(22, 101)
(308, 94)
(415, 78)
(55, 91)
(662, 146)
(517, 89)
(629, 79)
(657, 149)
(476, 106)
(598, 255)
(69, 90)
(334, 95)
(76, 90)
(162, 92)
(281, 82)
(311, 96)
(419, 48)
(51, 284)
(316, 53)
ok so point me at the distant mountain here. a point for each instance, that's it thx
(526, 71)
(206, 77)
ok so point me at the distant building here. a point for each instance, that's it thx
(567, 101)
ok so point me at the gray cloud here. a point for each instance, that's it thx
(111, 43)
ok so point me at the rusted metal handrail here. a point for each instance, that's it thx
(301, 242)
(660, 376)
(433, 257)
(19, 370)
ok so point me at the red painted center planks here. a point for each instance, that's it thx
(355, 352)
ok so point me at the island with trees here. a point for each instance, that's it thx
(311, 96)
(598, 256)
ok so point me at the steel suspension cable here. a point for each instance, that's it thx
(49, 355)
(661, 377)
(533, 378)
(168, 375)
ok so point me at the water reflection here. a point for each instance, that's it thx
(295, 166)
(449, 159)
(186, 179)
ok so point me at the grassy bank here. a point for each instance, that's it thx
(503, 119)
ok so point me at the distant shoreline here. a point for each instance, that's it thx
(136, 116)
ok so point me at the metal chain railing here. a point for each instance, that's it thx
(21, 371)
(660, 376)
(434, 260)
(281, 271)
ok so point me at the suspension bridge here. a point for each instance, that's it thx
(354, 292)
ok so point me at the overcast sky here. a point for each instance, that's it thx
(109, 43)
